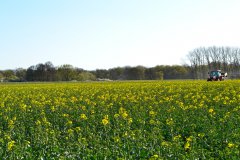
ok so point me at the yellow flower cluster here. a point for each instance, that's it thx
(10, 145)
(105, 120)
(83, 117)
(128, 120)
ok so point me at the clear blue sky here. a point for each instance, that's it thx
(93, 34)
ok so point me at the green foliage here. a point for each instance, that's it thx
(120, 120)
(86, 76)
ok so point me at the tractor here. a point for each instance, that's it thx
(217, 75)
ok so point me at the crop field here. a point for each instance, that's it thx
(120, 120)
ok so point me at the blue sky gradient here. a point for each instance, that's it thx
(94, 34)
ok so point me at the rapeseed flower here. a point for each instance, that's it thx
(116, 115)
(78, 129)
(7, 137)
(187, 145)
(10, 124)
(201, 135)
(169, 121)
(65, 115)
(10, 145)
(83, 116)
(152, 121)
(38, 122)
(84, 108)
(52, 108)
(69, 123)
(125, 115)
(189, 139)
(211, 110)
(154, 157)
(230, 145)
(152, 113)
(165, 144)
(70, 132)
(116, 139)
(105, 120)
(122, 110)
(176, 138)
(130, 120)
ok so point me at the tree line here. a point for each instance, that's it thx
(204, 59)
(45, 72)
(201, 61)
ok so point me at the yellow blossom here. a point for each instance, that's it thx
(73, 99)
(165, 144)
(121, 110)
(106, 117)
(69, 123)
(201, 135)
(7, 137)
(70, 132)
(38, 122)
(10, 145)
(210, 110)
(78, 129)
(169, 121)
(154, 157)
(11, 124)
(105, 120)
(152, 121)
(65, 115)
(116, 139)
(125, 115)
(189, 139)
(176, 138)
(230, 145)
(116, 115)
(187, 145)
(152, 113)
(130, 120)
(83, 116)
(83, 108)
(53, 108)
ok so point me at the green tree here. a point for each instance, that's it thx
(116, 73)
(1, 77)
(50, 71)
(102, 73)
(134, 73)
(85, 76)
(21, 74)
(66, 72)
(9, 75)
(30, 74)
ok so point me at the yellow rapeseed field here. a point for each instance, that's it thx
(120, 120)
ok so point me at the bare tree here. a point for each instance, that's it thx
(204, 59)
